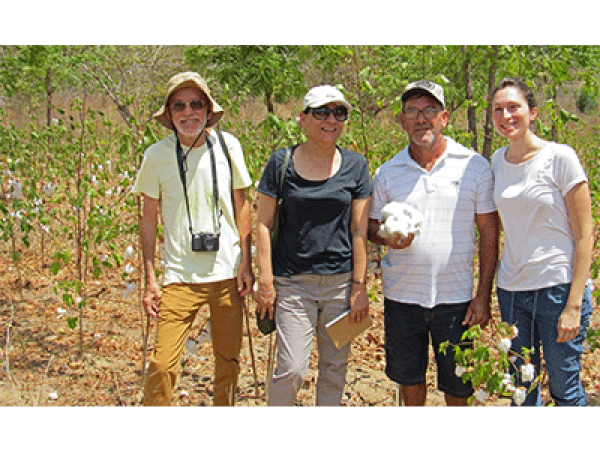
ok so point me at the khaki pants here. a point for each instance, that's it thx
(305, 304)
(178, 308)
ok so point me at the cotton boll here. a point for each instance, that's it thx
(481, 396)
(504, 345)
(400, 218)
(507, 382)
(129, 252)
(459, 371)
(519, 396)
(527, 373)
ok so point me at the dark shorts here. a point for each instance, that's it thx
(407, 335)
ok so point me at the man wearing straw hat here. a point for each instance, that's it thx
(207, 253)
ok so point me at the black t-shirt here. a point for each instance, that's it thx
(314, 218)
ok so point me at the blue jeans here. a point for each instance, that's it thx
(535, 314)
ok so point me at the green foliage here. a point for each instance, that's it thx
(66, 170)
(487, 362)
(587, 101)
(271, 72)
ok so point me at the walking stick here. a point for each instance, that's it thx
(270, 363)
(251, 346)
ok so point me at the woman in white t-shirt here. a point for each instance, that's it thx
(542, 195)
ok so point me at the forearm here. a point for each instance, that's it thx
(582, 258)
(263, 256)
(148, 237)
(579, 210)
(244, 226)
(359, 258)
(488, 255)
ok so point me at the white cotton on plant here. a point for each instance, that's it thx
(519, 396)
(17, 189)
(129, 252)
(49, 189)
(459, 371)
(527, 372)
(481, 395)
(400, 218)
(504, 345)
(507, 382)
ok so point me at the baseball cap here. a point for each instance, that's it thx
(321, 95)
(426, 87)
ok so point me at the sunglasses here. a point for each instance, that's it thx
(322, 113)
(196, 105)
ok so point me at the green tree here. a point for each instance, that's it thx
(272, 72)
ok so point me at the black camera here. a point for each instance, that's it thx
(205, 242)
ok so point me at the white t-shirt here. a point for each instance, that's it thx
(539, 243)
(437, 267)
(159, 178)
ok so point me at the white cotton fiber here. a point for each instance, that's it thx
(400, 218)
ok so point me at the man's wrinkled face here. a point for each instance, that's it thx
(423, 119)
(188, 110)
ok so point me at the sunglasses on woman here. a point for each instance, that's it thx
(196, 105)
(322, 113)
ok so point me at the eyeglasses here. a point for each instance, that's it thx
(322, 113)
(196, 105)
(430, 112)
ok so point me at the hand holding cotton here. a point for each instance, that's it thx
(400, 218)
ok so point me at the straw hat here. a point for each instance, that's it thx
(183, 80)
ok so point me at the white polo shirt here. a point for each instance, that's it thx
(159, 178)
(437, 267)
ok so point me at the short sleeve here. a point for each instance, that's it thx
(364, 187)
(241, 176)
(568, 171)
(269, 180)
(379, 196)
(485, 188)
(147, 181)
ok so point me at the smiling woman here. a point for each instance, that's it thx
(542, 195)
(315, 269)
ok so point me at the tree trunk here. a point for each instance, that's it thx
(269, 101)
(49, 92)
(472, 110)
(489, 126)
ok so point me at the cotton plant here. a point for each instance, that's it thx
(401, 218)
(488, 361)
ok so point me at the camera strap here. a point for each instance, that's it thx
(182, 164)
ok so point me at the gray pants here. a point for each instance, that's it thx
(305, 304)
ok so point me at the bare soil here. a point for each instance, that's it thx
(42, 364)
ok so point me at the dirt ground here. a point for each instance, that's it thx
(44, 366)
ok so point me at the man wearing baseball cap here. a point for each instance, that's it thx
(427, 279)
(199, 181)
